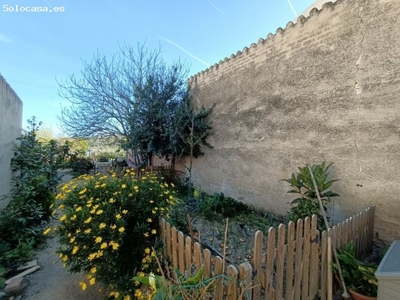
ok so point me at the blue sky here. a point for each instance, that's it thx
(39, 48)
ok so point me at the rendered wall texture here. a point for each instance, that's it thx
(324, 89)
(10, 129)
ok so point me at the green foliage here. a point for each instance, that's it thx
(110, 224)
(177, 286)
(307, 203)
(80, 165)
(189, 120)
(31, 197)
(357, 275)
(2, 279)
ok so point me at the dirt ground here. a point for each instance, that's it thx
(52, 281)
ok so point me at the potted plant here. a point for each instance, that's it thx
(358, 276)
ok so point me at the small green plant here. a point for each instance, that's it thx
(358, 276)
(218, 206)
(307, 204)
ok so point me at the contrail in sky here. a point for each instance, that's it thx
(291, 6)
(216, 7)
(187, 52)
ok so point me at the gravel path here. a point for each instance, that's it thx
(52, 281)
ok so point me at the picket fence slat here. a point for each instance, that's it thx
(280, 261)
(207, 263)
(233, 273)
(257, 257)
(269, 273)
(294, 263)
(290, 260)
(298, 260)
(181, 252)
(219, 283)
(245, 281)
(188, 254)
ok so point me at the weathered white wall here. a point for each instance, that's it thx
(323, 89)
(10, 129)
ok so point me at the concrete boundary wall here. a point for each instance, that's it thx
(323, 89)
(10, 129)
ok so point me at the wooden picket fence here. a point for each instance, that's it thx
(294, 264)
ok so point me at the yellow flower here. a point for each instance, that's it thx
(149, 220)
(125, 211)
(92, 256)
(138, 293)
(102, 225)
(78, 230)
(72, 240)
(83, 191)
(83, 285)
(146, 234)
(103, 246)
(112, 200)
(98, 239)
(147, 250)
(99, 212)
(123, 186)
(115, 294)
(153, 231)
(93, 270)
(73, 218)
(136, 188)
(114, 245)
(92, 281)
(63, 217)
(47, 231)
(127, 297)
(121, 229)
(118, 216)
(89, 205)
(151, 201)
(88, 220)
(87, 231)
(75, 249)
(113, 226)
(79, 208)
(103, 185)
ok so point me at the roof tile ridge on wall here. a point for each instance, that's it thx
(3, 82)
(246, 50)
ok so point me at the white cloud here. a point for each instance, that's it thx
(3, 38)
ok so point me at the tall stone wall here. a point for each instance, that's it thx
(10, 129)
(324, 89)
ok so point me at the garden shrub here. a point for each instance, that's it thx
(109, 227)
(31, 197)
(307, 204)
(80, 165)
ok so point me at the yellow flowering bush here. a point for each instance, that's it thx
(108, 225)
